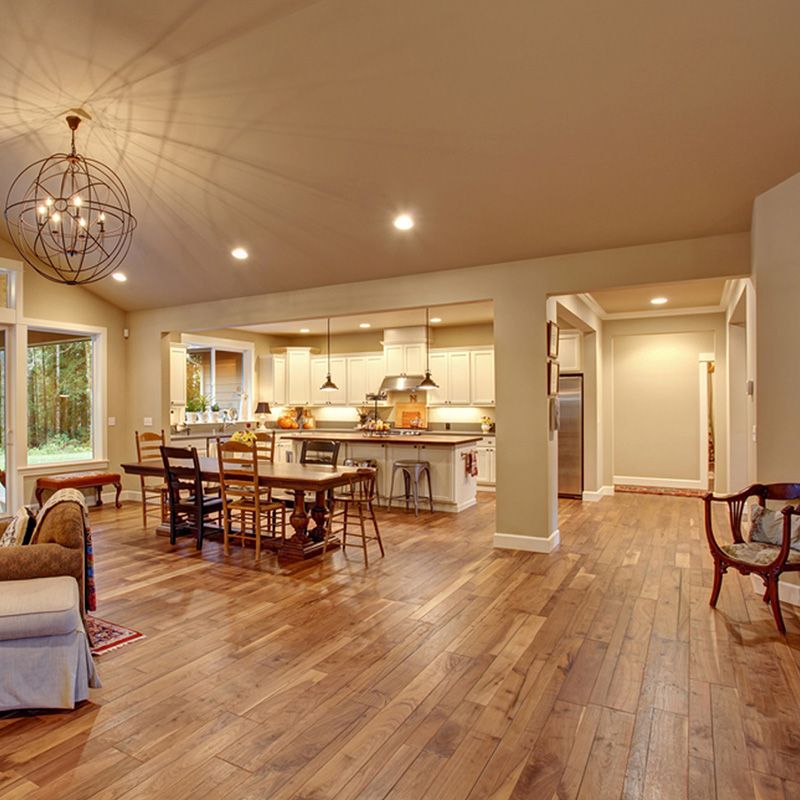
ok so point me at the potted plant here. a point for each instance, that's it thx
(215, 412)
(194, 405)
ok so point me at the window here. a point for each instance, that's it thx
(60, 397)
(214, 377)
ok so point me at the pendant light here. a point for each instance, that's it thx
(329, 385)
(427, 382)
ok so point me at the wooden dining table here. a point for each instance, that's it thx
(298, 479)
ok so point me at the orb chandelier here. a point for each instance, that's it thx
(70, 217)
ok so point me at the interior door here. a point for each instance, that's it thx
(570, 436)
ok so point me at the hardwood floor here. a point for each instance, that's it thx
(447, 670)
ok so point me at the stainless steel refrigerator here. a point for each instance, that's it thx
(570, 436)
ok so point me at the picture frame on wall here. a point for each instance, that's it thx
(553, 373)
(552, 340)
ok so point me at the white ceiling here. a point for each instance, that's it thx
(298, 128)
(679, 295)
(450, 315)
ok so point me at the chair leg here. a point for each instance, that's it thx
(345, 515)
(226, 533)
(416, 493)
(363, 531)
(718, 573)
(430, 489)
(377, 531)
(775, 602)
(329, 526)
(391, 490)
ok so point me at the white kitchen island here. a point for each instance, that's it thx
(453, 487)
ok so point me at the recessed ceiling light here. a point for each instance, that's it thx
(434, 320)
(305, 330)
(404, 222)
(658, 301)
(364, 325)
(120, 277)
(240, 253)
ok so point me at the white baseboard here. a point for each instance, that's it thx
(486, 487)
(660, 483)
(788, 592)
(125, 494)
(603, 491)
(531, 544)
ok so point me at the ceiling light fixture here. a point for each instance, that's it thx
(120, 277)
(329, 385)
(69, 216)
(434, 320)
(427, 382)
(364, 325)
(239, 253)
(404, 222)
(658, 301)
(305, 330)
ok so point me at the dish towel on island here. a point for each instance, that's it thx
(76, 496)
(471, 463)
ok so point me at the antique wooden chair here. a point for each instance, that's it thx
(765, 559)
(189, 506)
(356, 505)
(324, 452)
(245, 501)
(148, 448)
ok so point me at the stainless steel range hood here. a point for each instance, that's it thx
(402, 383)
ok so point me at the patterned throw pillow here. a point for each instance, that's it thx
(767, 527)
(19, 530)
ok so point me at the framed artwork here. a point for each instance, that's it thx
(553, 372)
(552, 340)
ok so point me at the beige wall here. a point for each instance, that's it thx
(651, 396)
(526, 504)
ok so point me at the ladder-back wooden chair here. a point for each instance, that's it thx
(324, 452)
(249, 513)
(148, 448)
(354, 507)
(189, 506)
(768, 553)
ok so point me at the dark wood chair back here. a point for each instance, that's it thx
(182, 470)
(324, 452)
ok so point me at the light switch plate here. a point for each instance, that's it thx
(148, 422)
(112, 421)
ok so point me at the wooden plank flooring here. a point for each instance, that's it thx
(448, 670)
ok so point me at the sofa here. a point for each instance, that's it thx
(59, 548)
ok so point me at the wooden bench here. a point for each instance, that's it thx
(80, 480)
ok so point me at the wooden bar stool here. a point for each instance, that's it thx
(412, 472)
(358, 504)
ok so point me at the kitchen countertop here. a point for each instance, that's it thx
(449, 440)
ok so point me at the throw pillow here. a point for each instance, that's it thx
(767, 526)
(19, 529)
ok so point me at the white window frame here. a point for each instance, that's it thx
(248, 351)
(99, 337)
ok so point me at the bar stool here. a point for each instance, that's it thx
(412, 472)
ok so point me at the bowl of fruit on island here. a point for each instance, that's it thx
(377, 427)
(288, 421)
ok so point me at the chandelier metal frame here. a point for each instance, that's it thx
(70, 217)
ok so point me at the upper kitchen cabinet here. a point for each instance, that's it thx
(177, 383)
(298, 376)
(482, 378)
(570, 345)
(364, 376)
(404, 359)
(319, 371)
(272, 380)
(451, 370)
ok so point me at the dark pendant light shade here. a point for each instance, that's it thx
(427, 382)
(329, 385)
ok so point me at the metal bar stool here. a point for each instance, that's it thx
(412, 472)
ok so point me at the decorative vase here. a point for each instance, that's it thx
(486, 427)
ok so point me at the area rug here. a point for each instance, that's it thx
(107, 636)
(660, 490)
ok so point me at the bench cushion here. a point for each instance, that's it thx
(39, 607)
(77, 479)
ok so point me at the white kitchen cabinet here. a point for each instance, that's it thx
(451, 370)
(283, 450)
(177, 375)
(482, 378)
(279, 367)
(376, 372)
(356, 379)
(486, 463)
(439, 372)
(319, 372)
(272, 380)
(570, 347)
(404, 359)
(298, 376)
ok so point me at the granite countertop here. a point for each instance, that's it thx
(449, 440)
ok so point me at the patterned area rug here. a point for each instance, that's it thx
(660, 490)
(107, 636)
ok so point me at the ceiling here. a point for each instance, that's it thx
(687, 294)
(299, 128)
(450, 315)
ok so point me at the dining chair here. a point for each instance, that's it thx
(355, 505)
(148, 448)
(324, 452)
(245, 500)
(189, 506)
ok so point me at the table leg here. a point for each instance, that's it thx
(301, 544)
(319, 514)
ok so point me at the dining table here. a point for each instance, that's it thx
(298, 479)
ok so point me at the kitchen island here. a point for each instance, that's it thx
(449, 455)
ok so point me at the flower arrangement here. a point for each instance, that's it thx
(245, 437)
(487, 423)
